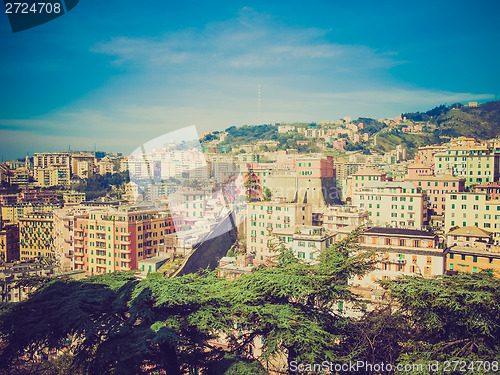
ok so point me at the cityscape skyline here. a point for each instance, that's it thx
(119, 84)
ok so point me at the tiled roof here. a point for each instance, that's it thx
(471, 231)
(399, 232)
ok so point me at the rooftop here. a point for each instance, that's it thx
(399, 232)
(470, 231)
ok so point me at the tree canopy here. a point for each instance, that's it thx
(287, 311)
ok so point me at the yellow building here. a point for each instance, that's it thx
(465, 209)
(36, 236)
(473, 260)
(73, 197)
(398, 204)
(472, 249)
(54, 175)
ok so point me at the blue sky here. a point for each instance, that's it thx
(118, 73)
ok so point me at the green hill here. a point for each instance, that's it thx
(481, 122)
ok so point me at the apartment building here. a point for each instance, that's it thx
(263, 218)
(491, 188)
(472, 250)
(436, 188)
(464, 209)
(73, 197)
(417, 170)
(10, 291)
(335, 217)
(15, 212)
(64, 236)
(53, 175)
(115, 239)
(398, 204)
(9, 242)
(361, 178)
(83, 164)
(36, 236)
(477, 165)
(400, 252)
(45, 160)
(306, 241)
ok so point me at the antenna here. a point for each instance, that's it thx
(258, 116)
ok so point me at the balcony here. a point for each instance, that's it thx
(78, 261)
(78, 254)
(125, 251)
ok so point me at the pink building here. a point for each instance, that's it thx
(492, 189)
(315, 167)
(416, 170)
(436, 188)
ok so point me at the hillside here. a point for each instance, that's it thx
(481, 122)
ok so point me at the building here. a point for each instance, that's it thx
(36, 236)
(436, 188)
(263, 218)
(465, 209)
(53, 175)
(15, 212)
(396, 204)
(361, 178)
(477, 165)
(9, 277)
(335, 217)
(473, 259)
(45, 160)
(9, 242)
(400, 252)
(116, 239)
(417, 170)
(64, 236)
(307, 242)
(311, 180)
(468, 237)
(234, 267)
(83, 165)
(491, 188)
(73, 197)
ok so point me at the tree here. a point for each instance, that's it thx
(113, 323)
(378, 336)
(452, 317)
(293, 306)
(267, 194)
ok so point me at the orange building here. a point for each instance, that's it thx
(472, 250)
(116, 239)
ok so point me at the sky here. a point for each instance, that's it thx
(115, 74)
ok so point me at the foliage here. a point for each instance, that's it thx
(378, 336)
(293, 305)
(266, 194)
(233, 365)
(99, 185)
(452, 317)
